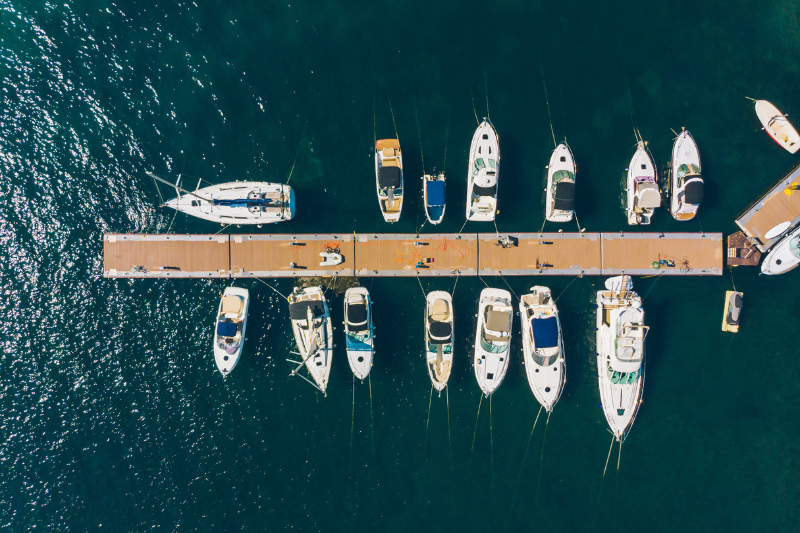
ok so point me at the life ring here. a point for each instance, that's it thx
(656, 265)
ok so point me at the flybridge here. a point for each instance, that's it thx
(398, 255)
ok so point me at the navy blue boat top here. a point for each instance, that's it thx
(435, 192)
(545, 332)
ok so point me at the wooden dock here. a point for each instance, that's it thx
(781, 204)
(387, 255)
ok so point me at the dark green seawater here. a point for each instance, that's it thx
(112, 413)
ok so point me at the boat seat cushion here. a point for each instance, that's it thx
(226, 329)
(388, 152)
(232, 304)
(440, 311)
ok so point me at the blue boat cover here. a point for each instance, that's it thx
(226, 329)
(435, 192)
(545, 332)
(244, 202)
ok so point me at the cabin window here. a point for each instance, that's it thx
(794, 246)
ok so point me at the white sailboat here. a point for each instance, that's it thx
(358, 332)
(311, 325)
(542, 346)
(230, 328)
(685, 182)
(439, 337)
(483, 173)
(433, 195)
(642, 189)
(560, 200)
(778, 126)
(389, 178)
(620, 353)
(492, 339)
(784, 256)
(237, 202)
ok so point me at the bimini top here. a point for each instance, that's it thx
(484, 191)
(226, 329)
(389, 177)
(545, 332)
(440, 332)
(565, 195)
(693, 193)
(357, 317)
(297, 311)
(435, 192)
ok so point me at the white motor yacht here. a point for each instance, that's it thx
(784, 256)
(311, 324)
(238, 202)
(642, 189)
(439, 337)
(230, 328)
(685, 182)
(358, 332)
(560, 201)
(483, 173)
(433, 195)
(389, 178)
(778, 126)
(492, 338)
(620, 353)
(542, 346)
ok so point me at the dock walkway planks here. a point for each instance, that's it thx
(387, 255)
(780, 204)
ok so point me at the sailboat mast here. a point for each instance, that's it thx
(178, 188)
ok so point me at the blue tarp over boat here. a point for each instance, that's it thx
(435, 193)
(226, 329)
(545, 332)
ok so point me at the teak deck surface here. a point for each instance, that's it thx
(273, 255)
(180, 256)
(410, 255)
(780, 204)
(545, 253)
(635, 253)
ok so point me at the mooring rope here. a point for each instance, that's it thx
(449, 438)
(730, 268)
(652, 287)
(525, 457)
(547, 101)
(393, 122)
(271, 287)
(567, 287)
(446, 135)
(430, 401)
(473, 107)
(424, 296)
(458, 272)
(509, 286)
(419, 135)
(486, 90)
(300, 145)
(462, 227)
(223, 229)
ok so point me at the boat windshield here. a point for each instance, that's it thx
(493, 346)
(794, 246)
(448, 348)
(480, 164)
(384, 192)
(359, 336)
(492, 163)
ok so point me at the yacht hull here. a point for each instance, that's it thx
(276, 203)
(684, 152)
(784, 256)
(360, 351)
(778, 126)
(438, 369)
(546, 381)
(560, 160)
(491, 366)
(641, 166)
(225, 357)
(481, 184)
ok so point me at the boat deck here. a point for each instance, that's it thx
(388, 255)
(779, 205)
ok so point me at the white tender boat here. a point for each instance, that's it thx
(358, 332)
(778, 126)
(560, 201)
(433, 195)
(238, 202)
(642, 189)
(311, 324)
(389, 178)
(230, 328)
(620, 353)
(685, 182)
(483, 173)
(542, 346)
(784, 256)
(492, 338)
(439, 337)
